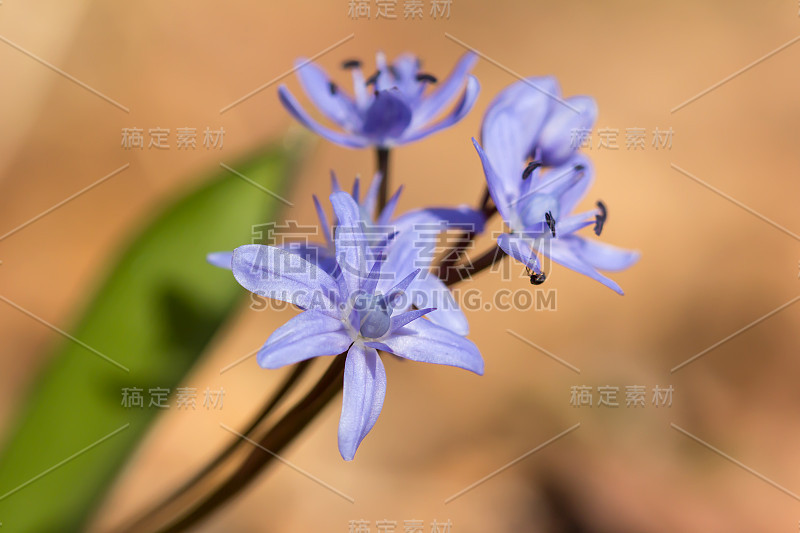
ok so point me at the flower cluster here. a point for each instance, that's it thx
(363, 290)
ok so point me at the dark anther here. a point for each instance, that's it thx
(551, 222)
(430, 78)
(579, 168)
(393, 71)
(372, 79)
(533, 165)
(351, 63)
(600, 218)
(332, 87)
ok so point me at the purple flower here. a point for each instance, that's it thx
(347, 312)
(536, 178)
(392, 107)
(412, 247)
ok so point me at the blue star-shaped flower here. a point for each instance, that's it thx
(347, 312)
(392, 107)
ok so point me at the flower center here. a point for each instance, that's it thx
(538, 208)
(375, 315)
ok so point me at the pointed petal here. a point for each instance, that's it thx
(521, 249)
(402, 319)
(334, 104)
(371, 198)
(220, 259)
(602, 256)
(351, 245)
(275, 273)
(364, 391)
(335, 187)
(564, 254)
(423, 341)
(502, 192)
(445, 92)
(293, 106)
(388, 211)
(309, 334)
(323, 221)
(460, 110)
(430, 291)
(356, 189)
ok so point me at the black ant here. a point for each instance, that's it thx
(537, 278)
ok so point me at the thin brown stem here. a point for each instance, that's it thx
(382, 163)
(275, 440)
(165, 507)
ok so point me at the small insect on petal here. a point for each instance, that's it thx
(537, 278)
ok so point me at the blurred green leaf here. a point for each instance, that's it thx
(154, 314)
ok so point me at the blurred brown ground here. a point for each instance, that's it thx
(708, 267)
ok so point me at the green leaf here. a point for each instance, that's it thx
(153, 316)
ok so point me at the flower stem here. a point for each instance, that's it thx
(466, 271)
(171, 505)
(268, 447)
(382, 163)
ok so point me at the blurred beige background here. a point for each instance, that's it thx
(708, 267)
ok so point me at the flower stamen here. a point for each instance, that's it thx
(551, 222)
(533, 165)
(600, 218)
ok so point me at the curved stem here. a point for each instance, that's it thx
(466, 271)
(197, 480)
(289, 427)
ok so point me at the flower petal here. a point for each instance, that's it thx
(362, 400)
(398, 321)
(220, 259)
(460, 110)
(430, 291)
(323, 221)
(560, 136)
(351, 244)
(275, 273)
(293, 106)
(512, 124)
(370, 203)
(423, 341)
(521, 249)
(446, 91)
(333, 103)
(313, 252)
(309, 334)
(562, 252)
(503, 194)
(602, 256)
